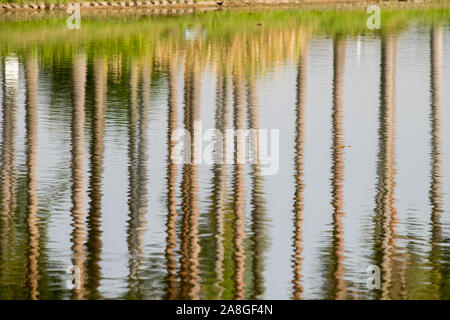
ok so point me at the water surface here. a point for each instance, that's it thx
(87, 124)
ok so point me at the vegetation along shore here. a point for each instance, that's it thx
(24, 5)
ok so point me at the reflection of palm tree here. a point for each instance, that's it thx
(299, 184)
(31, 69)
(137, 174)
(385, 212)
(7, 170)
(94, 242)
(435, 190)
(337, 289)
(219, 180)
(190, 249)
(78, 118)
(257, 199)
(115, 67)
(132, 189)
(142, 178)
(238, 183)
(171, 238)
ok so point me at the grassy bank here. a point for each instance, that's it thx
(224, 2)
(131, 33)
(52, 32)
(59, 5)
(48, 2)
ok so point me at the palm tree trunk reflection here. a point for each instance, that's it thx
(78, 119)
(436, 184)
(257, 197)
(137, 152)
(94, 241)
(31, 70)
(220, 168)
(171, 231)
(238, 183)
(133, 286)
(299, 159)
(190, 249)
(8, 168)
(338, 288)
(142, 175)
(385, 212)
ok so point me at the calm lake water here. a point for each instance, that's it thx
(88, 122)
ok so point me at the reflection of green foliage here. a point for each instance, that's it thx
(111, 34)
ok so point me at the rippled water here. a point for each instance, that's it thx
(87, 180)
